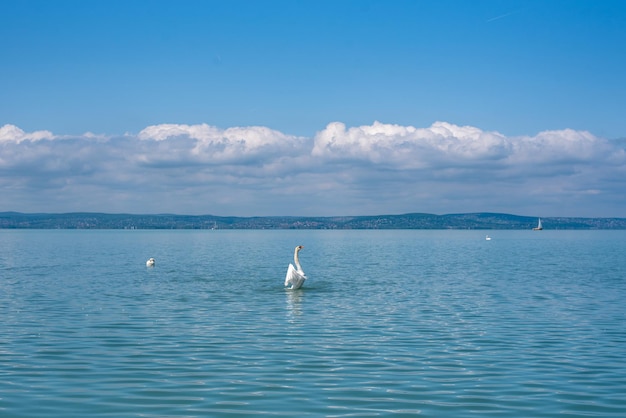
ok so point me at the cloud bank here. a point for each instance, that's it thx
(374, 169)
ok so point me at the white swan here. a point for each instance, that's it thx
(150, 262)
(295, 276)
(487, 238)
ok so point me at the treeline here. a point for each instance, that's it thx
(16, 220)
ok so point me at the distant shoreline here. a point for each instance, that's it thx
(478, 221)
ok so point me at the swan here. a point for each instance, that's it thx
(295, 276)
(150, 262)
(487, 238)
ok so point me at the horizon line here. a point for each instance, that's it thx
(309, 216)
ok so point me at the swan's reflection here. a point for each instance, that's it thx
(294, 302)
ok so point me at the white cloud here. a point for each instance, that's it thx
(11, 133)
(378, 168)
(169, 130)
(210, 144)
(444, 146)
(558, 146)
(407, 146)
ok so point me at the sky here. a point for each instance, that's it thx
(313, 108)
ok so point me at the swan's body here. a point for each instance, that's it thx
(295, 275)
(150, 262)
(488, 238)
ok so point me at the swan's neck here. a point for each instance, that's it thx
(296, 260)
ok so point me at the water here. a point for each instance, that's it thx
(389, 323)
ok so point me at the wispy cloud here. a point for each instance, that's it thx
(502, 16)
(377, 168)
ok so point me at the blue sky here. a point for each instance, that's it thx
(313, 107)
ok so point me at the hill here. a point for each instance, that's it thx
(80, 220)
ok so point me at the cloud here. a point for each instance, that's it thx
(407, 147)
(209, 144)
(446, 147)
(377, 168)
(11, 133)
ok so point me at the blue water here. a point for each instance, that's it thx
(389, 323)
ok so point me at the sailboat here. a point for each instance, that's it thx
(539, 227)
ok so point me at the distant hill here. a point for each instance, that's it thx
(79, 220)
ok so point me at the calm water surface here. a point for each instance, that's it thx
(389, 323)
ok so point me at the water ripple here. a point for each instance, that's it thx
(432, 323)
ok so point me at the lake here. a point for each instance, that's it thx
(388, 323)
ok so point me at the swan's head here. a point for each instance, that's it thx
(299, 247)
